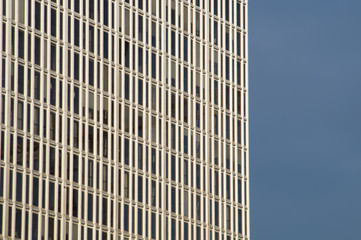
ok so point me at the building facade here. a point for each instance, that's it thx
(124, 119)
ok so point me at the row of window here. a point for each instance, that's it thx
(147, 124)
(100, 141)
(38, 192)
(49, 160)
(104, 11)
(91, 71)
(137, 221)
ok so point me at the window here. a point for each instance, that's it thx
(37, 50)
(127, 22)
(53, 22)
(36, 121)
(91, 39)
(140, 60)
(52, 161)
(90, 173)
(35, 191)
(154, 33)
(20, 115)
(21, 43)
(37, 15)
(173, 48)
(18, 223)
(19, 188)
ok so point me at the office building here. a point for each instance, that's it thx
(124, 119)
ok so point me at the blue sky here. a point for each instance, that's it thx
(305, 119)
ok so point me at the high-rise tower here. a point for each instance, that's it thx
(124, 119)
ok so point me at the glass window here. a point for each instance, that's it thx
(105, 177)
(154, 65)
(126, 218)
(21, 44)
(185, 142)
(37, 50)
(51, 195)
(37, 15)
(75, 168)
(126, 86)
(19, 188)
(154, 97)
(185, 18)
(140, 124)
(18, 223)
(36, 121)
(90, 173)
(52, 161)
(153, 129)
(36, 152)
(90, 207)
(91, 38)
(173, 12)
(153, 222)
(53, 58)
(20, 115)
(19, 150)
(198, 23)
(127, 22)
(173, 48)
(126, 118)
(140, 60)
(53, 22)
(36, 191)
(105, 45)
(140, 189)
(173, 199)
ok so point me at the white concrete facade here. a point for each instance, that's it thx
(124, 119)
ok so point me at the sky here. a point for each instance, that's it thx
(305, 119)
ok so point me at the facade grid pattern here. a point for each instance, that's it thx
(124, 119)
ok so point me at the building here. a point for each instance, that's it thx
(124, 119)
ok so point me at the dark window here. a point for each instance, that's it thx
(21, 44)
(127, 54)
(90, 207)
(76, 66)
(153, 222)
(105, 45)
(52, 161)
(75, 168)
(126, 217)
(153, 159)
(51, 195)
(75, 203)
(21, 79)
(18, 223)
(37, 51)
(126, 151)
(19, 186)
(173, 12)
(53, 58)
(52, 91)
(140, 189)
(105, 10)
(91, 9)
(37, 15)
(91, 72)
(36, 191)
(91, 38)
(126, 86)
(53, 22)
(173, 48)
(154, 65)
